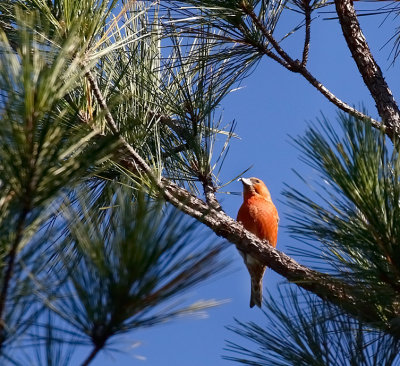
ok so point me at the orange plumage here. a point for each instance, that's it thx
(257, 214)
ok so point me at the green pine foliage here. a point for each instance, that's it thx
(356, 217)
(89, 251)
(300, 329)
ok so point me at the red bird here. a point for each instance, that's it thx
(257, 214)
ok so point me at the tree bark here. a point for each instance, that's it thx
(368, 68)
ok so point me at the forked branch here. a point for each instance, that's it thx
(300, 67)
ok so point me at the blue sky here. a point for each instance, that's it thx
(272, 104)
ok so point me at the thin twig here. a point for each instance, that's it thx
(19, 229)
(136, 162)
(247, 9)
(96, 349)
(262, 48)
(10, 268)
(297, 67)
(209, 193)
(141, 164)
(338, 102)
(102, 102)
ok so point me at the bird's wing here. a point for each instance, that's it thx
(246, 218)
(266, 221)
(260, 217)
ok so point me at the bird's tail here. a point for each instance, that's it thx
(256, 292)
(256, 270)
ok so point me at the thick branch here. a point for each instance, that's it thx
(306, 48)
(321, 284)
(369, 69)
(298, 67)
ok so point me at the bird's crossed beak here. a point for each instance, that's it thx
(245, 181)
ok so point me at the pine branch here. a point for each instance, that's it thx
(267, 51)
(369, 69)
(141, 164)
(323, 285)
(299, 67)
(320, 284)
(248, 9)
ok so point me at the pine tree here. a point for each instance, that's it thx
(108, 133)
(89, 250)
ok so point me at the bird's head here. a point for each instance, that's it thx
(252, 186)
